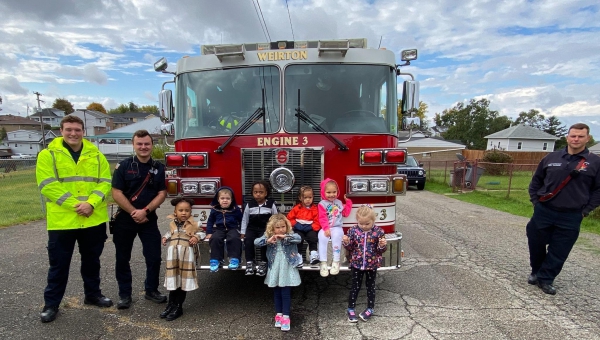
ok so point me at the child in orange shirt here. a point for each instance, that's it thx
(304, 218)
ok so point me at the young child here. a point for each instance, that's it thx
(224, 223)
(304, 217)
(282, 253)
(331, 211)
(365, 243)
(181, 267)
(254, 222)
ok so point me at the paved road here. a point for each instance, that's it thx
(463, 277)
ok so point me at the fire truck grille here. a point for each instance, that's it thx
(259, 164)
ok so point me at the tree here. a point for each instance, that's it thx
(422, 114)
(63, 104)
(149, 108)
(3, 133)
(471, 122)
(532, 118)
(119, 109)
(554, 127)
(591, 142)
(133, 107)
(96, 107)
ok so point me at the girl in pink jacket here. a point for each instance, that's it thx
(331, 211)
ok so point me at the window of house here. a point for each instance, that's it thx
(30, 147)
(426, 155)
(545, 147)
(520, 146)
(498, 144)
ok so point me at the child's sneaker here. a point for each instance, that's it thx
(335, 268)
(278, 319)
(314, 257)
(250, 269)
(285, 324)
(324, 271)
(234, 264)
(366, 315)
(214, 266)
(351, 315)
(261, 269)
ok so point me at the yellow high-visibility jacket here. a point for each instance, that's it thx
(65, 184)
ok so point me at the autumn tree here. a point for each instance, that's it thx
(471, 122)
(96, 107)
(119, 109)
(64, 105)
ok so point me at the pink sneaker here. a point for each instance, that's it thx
(278, 319)
(285, 324)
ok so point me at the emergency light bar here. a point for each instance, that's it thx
(198, 160)
(323, 46)
(382, 156)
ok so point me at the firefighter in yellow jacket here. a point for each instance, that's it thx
(74, 179)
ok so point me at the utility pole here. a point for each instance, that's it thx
(41, 118)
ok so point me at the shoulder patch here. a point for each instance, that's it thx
(117, 166)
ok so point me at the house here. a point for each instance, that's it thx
(136, 117)
(28, 142)
(521, 138)
(119, 122)
(96, 122)
(118, 141)
(49, 116)
(13, 123)
(425, 148)
(595, 149)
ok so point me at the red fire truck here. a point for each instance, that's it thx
(292, 113)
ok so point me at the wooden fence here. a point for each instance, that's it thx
(518, 157)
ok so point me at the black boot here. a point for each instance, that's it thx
(168, 310)
(176, 312)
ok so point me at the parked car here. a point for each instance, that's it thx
(414, 171)
(21, 156)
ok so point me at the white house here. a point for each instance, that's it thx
(521, 138)
(595, 149)
(96, 122)
(431, 148)
(49, 116)
(27, 141)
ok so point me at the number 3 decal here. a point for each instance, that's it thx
(202, 216)
(304, 140)
(383, 215)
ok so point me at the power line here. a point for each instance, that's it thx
(289, 17)
(260, 21)
(263, 19)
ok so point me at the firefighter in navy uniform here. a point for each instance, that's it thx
(138, 187)
(564, 189)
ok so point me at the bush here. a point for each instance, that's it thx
(497, 157)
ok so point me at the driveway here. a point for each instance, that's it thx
(463, 277)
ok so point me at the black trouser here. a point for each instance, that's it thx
(177, 296)
(559, 231)
(311, 237)
(123, 237)
(357, 277)
(61, 244)
(249, 247)
(217, 244)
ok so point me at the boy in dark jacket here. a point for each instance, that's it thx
(224, 224)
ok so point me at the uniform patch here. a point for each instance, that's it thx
(555, 164)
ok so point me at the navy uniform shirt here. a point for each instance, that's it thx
(130, 174)
(581, 194)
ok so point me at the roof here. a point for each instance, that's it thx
(17, 120)
(430, 142)
(135, 114)
(522, 132)
(595, 148)
(47, 112)
(126, 132)
(95, 114)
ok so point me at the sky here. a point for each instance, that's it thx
(519, 54)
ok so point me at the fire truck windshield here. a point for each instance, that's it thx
(342, 98)
(216, 102)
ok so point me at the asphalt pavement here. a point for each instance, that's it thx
(464, 276)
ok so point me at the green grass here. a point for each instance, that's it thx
(517, 203)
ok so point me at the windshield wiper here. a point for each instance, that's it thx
(260, 112)
(302, 116)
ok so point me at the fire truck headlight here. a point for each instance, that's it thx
(379, 185)
(189, 187)
(358, 185)
(208, 188)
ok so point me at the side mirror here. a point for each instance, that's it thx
(165, 104)
(410, 97)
